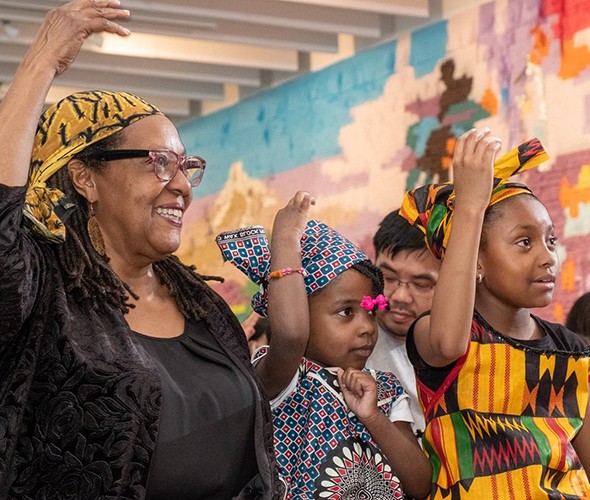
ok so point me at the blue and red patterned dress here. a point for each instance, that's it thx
(323, 451)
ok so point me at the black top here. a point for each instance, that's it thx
(207, 405)
(80, 398)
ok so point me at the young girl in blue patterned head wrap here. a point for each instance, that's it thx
(340, 431)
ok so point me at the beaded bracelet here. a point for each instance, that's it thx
(286, 271)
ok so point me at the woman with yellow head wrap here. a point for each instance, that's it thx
(504, 393)
(108, 343)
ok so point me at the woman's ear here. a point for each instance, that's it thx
(83, 179)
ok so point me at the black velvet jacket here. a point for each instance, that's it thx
(79, 397)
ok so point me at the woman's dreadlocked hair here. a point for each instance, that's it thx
(371, 271)
(89, 277)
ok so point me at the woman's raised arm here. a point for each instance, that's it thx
(56, 45)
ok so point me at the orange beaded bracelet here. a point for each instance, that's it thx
(285, 272)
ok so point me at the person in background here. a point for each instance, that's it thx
(261, 335)
(122, 374)
(578, 318)
(410, 272)
(249, 323)
(257, 330)
(504, 393)
(340, 431)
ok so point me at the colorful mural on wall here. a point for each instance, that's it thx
(361, 132)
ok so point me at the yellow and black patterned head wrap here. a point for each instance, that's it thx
(430, 207)
(64, 129)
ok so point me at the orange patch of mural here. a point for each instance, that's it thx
(573, 16)
(447, 160)
(568, 276)
(573, 59)
(541, 45)
(558, 312)
(570, 196)
(489, 102)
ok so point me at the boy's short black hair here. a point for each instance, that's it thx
(396, 234)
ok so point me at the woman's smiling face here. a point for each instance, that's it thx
(139, 215)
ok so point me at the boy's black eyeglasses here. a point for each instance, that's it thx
(166, 162)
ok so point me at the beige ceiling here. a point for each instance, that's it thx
(194, 56)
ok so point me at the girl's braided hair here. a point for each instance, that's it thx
(89, 277)
(371, 271)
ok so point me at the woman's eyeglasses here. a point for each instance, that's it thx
(166, 163)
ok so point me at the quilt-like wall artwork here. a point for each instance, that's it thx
(359, 133)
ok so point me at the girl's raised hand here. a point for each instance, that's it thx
(65, 28)
(473, 167)
(292, 219)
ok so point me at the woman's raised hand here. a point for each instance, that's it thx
(64, 29)
(54, 48)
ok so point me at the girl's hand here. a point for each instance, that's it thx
(291, 220)
(360, 393)
(65, 28)
(473, 167)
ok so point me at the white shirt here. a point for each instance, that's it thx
(390, 355)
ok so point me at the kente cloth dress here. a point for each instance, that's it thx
(501, 419)
(80, 398)
(322, 450)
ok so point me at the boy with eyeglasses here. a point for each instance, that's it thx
(410, 272)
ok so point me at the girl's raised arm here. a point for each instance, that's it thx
(288, 310)
(442, 337)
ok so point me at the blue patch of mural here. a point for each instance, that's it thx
(427, 47)
(290, 125)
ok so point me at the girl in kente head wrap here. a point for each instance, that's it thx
(340, 431)
(109, 345)
(504, 393)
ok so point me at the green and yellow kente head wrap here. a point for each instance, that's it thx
(430, 207)
(64, 129)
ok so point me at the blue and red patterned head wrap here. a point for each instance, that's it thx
(325, 254)
(430, 207)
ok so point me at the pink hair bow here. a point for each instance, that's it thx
(373, 305)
